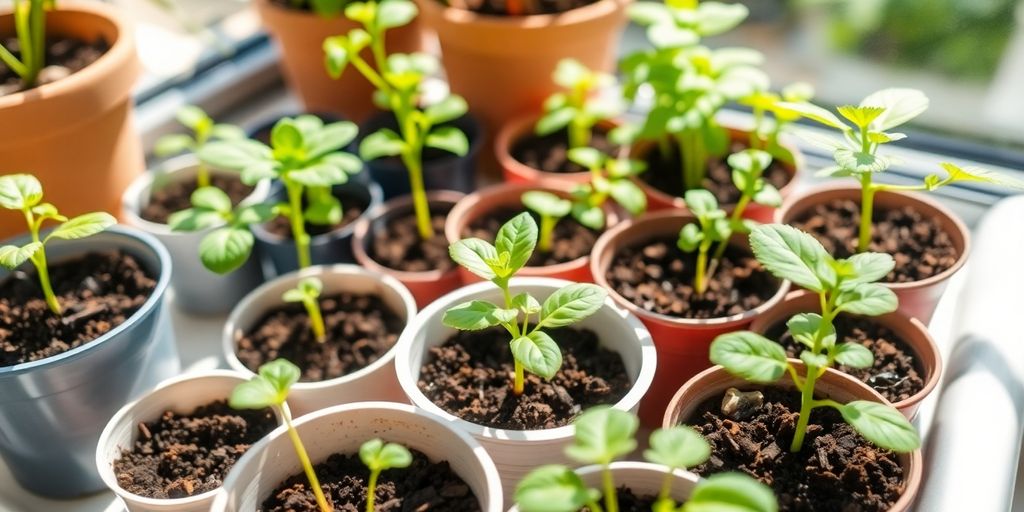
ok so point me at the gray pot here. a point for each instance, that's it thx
(196, 289)
(52, 411)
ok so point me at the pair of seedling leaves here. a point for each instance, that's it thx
(204, 129)
(307, 292)
(604, 434)
(581, 106)
(270, 388)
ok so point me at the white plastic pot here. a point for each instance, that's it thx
(342, 429)
(517, 452)
(180, 394)
(375, 382)
(643, 478)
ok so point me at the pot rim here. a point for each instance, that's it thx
(691, 478)
(454, 15)
(404, 369)
(515, 130)
(376, 197)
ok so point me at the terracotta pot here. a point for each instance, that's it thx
(508, 196)
(682, 343)
(515, 171)
(837, 386)
(502, 65)
(909, 330)
(658, 200)
(425, 286)
(917, 299)
(300, 35)
(643, 478)
(77, 134)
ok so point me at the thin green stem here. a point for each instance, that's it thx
(700, 279)
(594, 506)
(519, 385)
(755, 135)
(867, 204)
(12, 62)
(420, 205)
(611, 500)
(547, 232)
(666, 485)
(298, 224)
(42, 268)
(316, 319)
(202, 175)
(806, 404)
(371, 489)
(307, 466)
(37, 20)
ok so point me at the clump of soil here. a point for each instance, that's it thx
(360, 329)
(918, 243)
(550, 153)
(352, 208)
(182, 455)
(398, 246)
(98, 292)
(658, 277)
(837, 469)
(64, 57)
(570, 241)
(470, 376)
(424, 486)
(177, 196)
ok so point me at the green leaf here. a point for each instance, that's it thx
(194, 219)
(448, 109)
(235, 154)
(450, 139)
(731, 492)
(361, 12)
(473, 254)
(47, 211)
(336, 55)
(869, 267)
(957, 174)
(192, 117)
(324, 210)
(311, 287)
(882, 425)
(395, 13)
(285, 135)
(791, 254)
(269, 388)
(701, 202)
(227, 132)
(588, 158)
(860, 162)
(648, 13)
(628, 195)
(750, 161)
(854, 355)
(173, 144)
(293, 295)
(318, 176)
(378, 456)
(538, 353)
(255, 214)
(477, 315)
(768, 195)
(804, 328)
(518, 238)
(815, 113)
(553, 488)
(670, 35)
(679, 447)
(83, 226)
(714, 18)
(901, 105)
(224, 250)
(347, 162)
(330, 138)
(816, 360)
(869, 299)
(546, 204)
(11, 256)
(380, 144)
(555, 120)
(624, 167)
(602, 435)
(588, 215)
(750, 356)
(20, 191)
(211, 198)
(570, 73)
(570, 304)
(526, 303)
(259, 171)
(862, 117)
(690, 237)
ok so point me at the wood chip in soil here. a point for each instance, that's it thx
(570, 241)
(64, 57)
(550, 153)
(177, 196)
(399, 247)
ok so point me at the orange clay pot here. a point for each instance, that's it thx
(515, 171)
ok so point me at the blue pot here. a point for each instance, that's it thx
(52, 411)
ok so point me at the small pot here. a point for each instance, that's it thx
(425, 286)
(278, 253)
(643, 478)
(683, 343)
(300, 35)
(53, 410)
(517, 452)
(835, 385)
(375, 382)
(917, 299)
(342, 429)
(450, 172)
(479, 204)
(659, 200)
(197, 290)
(515, 171)
(183, 394)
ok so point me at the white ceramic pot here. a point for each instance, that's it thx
(180, 394)
(375, 382)
(342, 429)
(643, 478)
(197, 290)
(517, 452)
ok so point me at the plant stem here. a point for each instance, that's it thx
(547, 232)
(316, 319)
(371, 490)
(611, 500)
(519, 385)
(867, 204)
(419, 195)
(806, 403)
(42, 268)
(298, 224)
(202, 175)
(700, 278)
(737, 215)
(755, 135)
(307, 466)
(685, 158)
(579, 131)
(666, 485)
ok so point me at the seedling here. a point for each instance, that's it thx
(269, 388)
(711, 227)
(848, 286)
(579, 108)
(532, 348)
(378, 456)
(765, 134)
(24, 193)
(609, 178)
(603, 435)
(204, 129)
(398, 79)
(305, 155)
(308, 293)
(322, 8)
(551, 209)
(30, 27)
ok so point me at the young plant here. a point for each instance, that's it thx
(711, 227)
(551, 209)
(308, 293)
(843, 286)
(305, 155)
(579, 108)
(398, 79)
(532, 348)
(609, 178)
(269, 388)
(30, 27)
(378, 456)
(204, 130)
(24, 193)
(765, 134)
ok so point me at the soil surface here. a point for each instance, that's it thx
(895, 373)
(352, 208)
(918, 243)
(360, 329)
(666, 174)
(550, 153)
(658, 277)
(181, 455)
(424, 486)
(837, 469)
(571, 240)
(398, 246)
(64, 57)
(629, 502)
(471, 375)
(98, 292)
(177, 196)
(500, 7)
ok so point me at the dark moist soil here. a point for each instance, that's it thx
(837, 469)
(177, 196)
(181, 455)
(658, 277)
(98, 292)
(895, 373)
(498, 7)
(550, 153)
(918, 243)
(360, 329)
(570, 241)
(424, 486)
(471, 375)
(629, 502)
(666, 174)
(64, 57)
(399, 247)
(352, 208)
